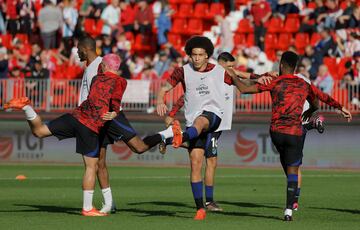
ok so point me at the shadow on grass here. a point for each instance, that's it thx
(249, 205)
(163, 203)
(153, 213)
(352, 211)
(45, 208)
(246, 214)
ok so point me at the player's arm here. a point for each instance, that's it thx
(245, 86)
(115, 101)
(176, 108)
(314, 106)
(327, 99)
(173, 80)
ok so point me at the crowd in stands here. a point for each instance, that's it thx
(39, 37)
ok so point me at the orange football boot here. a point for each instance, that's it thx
(93, 212)
(200, 214)
(17, 103)
(177, 139)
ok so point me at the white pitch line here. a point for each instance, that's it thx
(185, 177)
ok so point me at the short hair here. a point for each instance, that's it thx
(289, 60)
(199, 42)
(112, 61)
(87, 42)
(226, 56)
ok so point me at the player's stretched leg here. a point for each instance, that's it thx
(39, 129)
(196, 161)
(206, 122)
(292, 184)
(103, 177)
(88, 187)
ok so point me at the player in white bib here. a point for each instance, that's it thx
(204, 88)
(87, 53)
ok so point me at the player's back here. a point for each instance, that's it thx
(288, 96)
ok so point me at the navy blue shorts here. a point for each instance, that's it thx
(208, 142)
(67, 126)
(214, 120)
(290, 148)
(117, 129)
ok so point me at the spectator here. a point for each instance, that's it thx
(39, 72)
(302, 70)
(50, 20)
(308, 24)
(111, 18)
(276, 64)
(162, 65)
(70, 16)
(352, 83)
(326, 46)
(163, 22)
(99, 4)
(285, 7)
(144, 18)
(26, 13)
(107, 45)
(260, 13)
(226, 36)
(324, 80)
(4, 63)
(12, 17)
(129, 11)
(148, 73)
(124, 69)
(316, 59)
(123, 45)
(350, 47)
(350, 19)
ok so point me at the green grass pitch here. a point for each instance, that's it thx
(160, 198)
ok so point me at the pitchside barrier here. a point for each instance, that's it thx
(140, 96)
(245, 145)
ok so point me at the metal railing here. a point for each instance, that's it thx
(62, 95)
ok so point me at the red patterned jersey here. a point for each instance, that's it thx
(105, 95)
(288, 94)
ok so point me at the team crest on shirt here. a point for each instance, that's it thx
(246, 149)
(203, 90)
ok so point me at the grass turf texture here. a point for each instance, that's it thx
(160, 198)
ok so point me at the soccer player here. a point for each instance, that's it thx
(84, 123)
(87, 53)
(288, 93)
(204, 88)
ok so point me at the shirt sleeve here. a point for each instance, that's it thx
(116, 100)
(327, 99)
(228, 79)
(177, 106)
(176, 77)
(268, 87)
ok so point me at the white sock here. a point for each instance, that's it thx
(167, 133)
(87, 199)
(30, 114)
(107, 196)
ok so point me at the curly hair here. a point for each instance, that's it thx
(199, 42)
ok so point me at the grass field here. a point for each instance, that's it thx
(160, 198)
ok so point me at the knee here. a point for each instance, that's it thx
(211, 162)
(139, 149)
(101, 164)
(196, 164)
(37, 133)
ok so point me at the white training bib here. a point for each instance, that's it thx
(204, 92)
(228, 107)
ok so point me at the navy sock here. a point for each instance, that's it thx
(209, 193)
(190, 133)
(292, 182)
(197, 190)
(168, 141)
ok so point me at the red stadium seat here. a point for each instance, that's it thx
(331, 63)
(315, 38)
(185, 11)
(5, 40)
(240, 39)
(174, 39)
(301, 41)
(271, 41)
(216, 8)
(195, 26)
(179, 26)
(292, 25)
(142, 43)
(245, 26)
(250, 40)
(284, 41)
(275, 25)
(188, 1)
(200, 10)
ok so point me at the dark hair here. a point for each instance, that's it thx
(199, 42)
(87, 42)
(289, 61)
(225, 56)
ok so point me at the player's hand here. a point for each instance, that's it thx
(161, 109)
(264, 80)
(169, 120)
(273, 74)
(306, 115)
(346, 113)
(108, 116)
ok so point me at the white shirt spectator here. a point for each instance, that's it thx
(70, 15)
(111, 16)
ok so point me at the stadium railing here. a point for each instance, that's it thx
(62, 95)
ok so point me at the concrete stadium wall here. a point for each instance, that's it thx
(245, 145)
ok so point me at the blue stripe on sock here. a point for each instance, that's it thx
(197, 189)
(292, 178)
(192, 132)
(124, 126)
